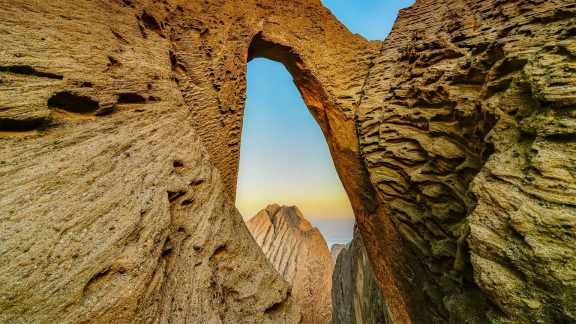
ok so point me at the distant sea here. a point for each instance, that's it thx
(334, 230)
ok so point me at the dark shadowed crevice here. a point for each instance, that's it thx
(150, 22)
(174, 195)
(73, 103)
(28, 70)
(10, 125)
(130, 98)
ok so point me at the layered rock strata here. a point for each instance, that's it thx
(335, 250)
(300, 254)
(454, 139)
(110, 208)
(465, 116)
(356, 296)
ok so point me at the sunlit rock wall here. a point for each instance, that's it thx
(120, 124)
(300, 254)
(467, 127)
(110, 208)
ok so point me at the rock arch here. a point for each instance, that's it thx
(454, 138)
(340, 132)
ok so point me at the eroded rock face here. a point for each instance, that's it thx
(335, 251)
(454, 139)
(110, 209)
(466, 115)
(356, 296)
(300, 254)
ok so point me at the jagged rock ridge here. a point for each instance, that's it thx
(299, 252)
(454, 139)
(356, 296)
(464, 119)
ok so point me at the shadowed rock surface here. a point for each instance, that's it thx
(356, 296)
(335, 251)
(300, 254)
(120, 124)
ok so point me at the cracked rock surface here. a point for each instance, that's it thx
(356, 296)
(300, 254)
(120, 124)
(111, 211)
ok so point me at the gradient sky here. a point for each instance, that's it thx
(283, 156)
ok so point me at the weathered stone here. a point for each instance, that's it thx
(356, 296)
(111, 211)
(335, 251)
(454, 139)
(300, 254)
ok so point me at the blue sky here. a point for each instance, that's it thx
(283, 156)
(372, 19)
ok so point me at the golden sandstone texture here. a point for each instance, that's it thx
(120, 124)
(300, 254)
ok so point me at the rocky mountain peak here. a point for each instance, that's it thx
(299, 252)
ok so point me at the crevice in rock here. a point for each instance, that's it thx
(220, 250)
(174, 195)
(98, 280)
(28, 70)
(9, 125)
(120, 37)
(168, 248)
(562, 138)
(130, 98)
(273, 308)
(150, 22)
(198, 182)
(112, 62)
(73, 103)
(187, 202)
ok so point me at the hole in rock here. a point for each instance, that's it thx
(174, 195)
(8, 125)
(288, 184)
(28, 70)
(220, 250)
(187, 202)
(284, 157)
(130, 98)
(151, 23)
(273, 308)
(72, 102)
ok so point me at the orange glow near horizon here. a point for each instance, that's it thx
(284, 157)
(325, 203)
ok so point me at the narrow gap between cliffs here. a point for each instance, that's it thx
(288, 189)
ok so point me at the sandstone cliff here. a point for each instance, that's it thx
(110, 209)
(299, 253)
(120, 124)
(467, 125)
(356, 296)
